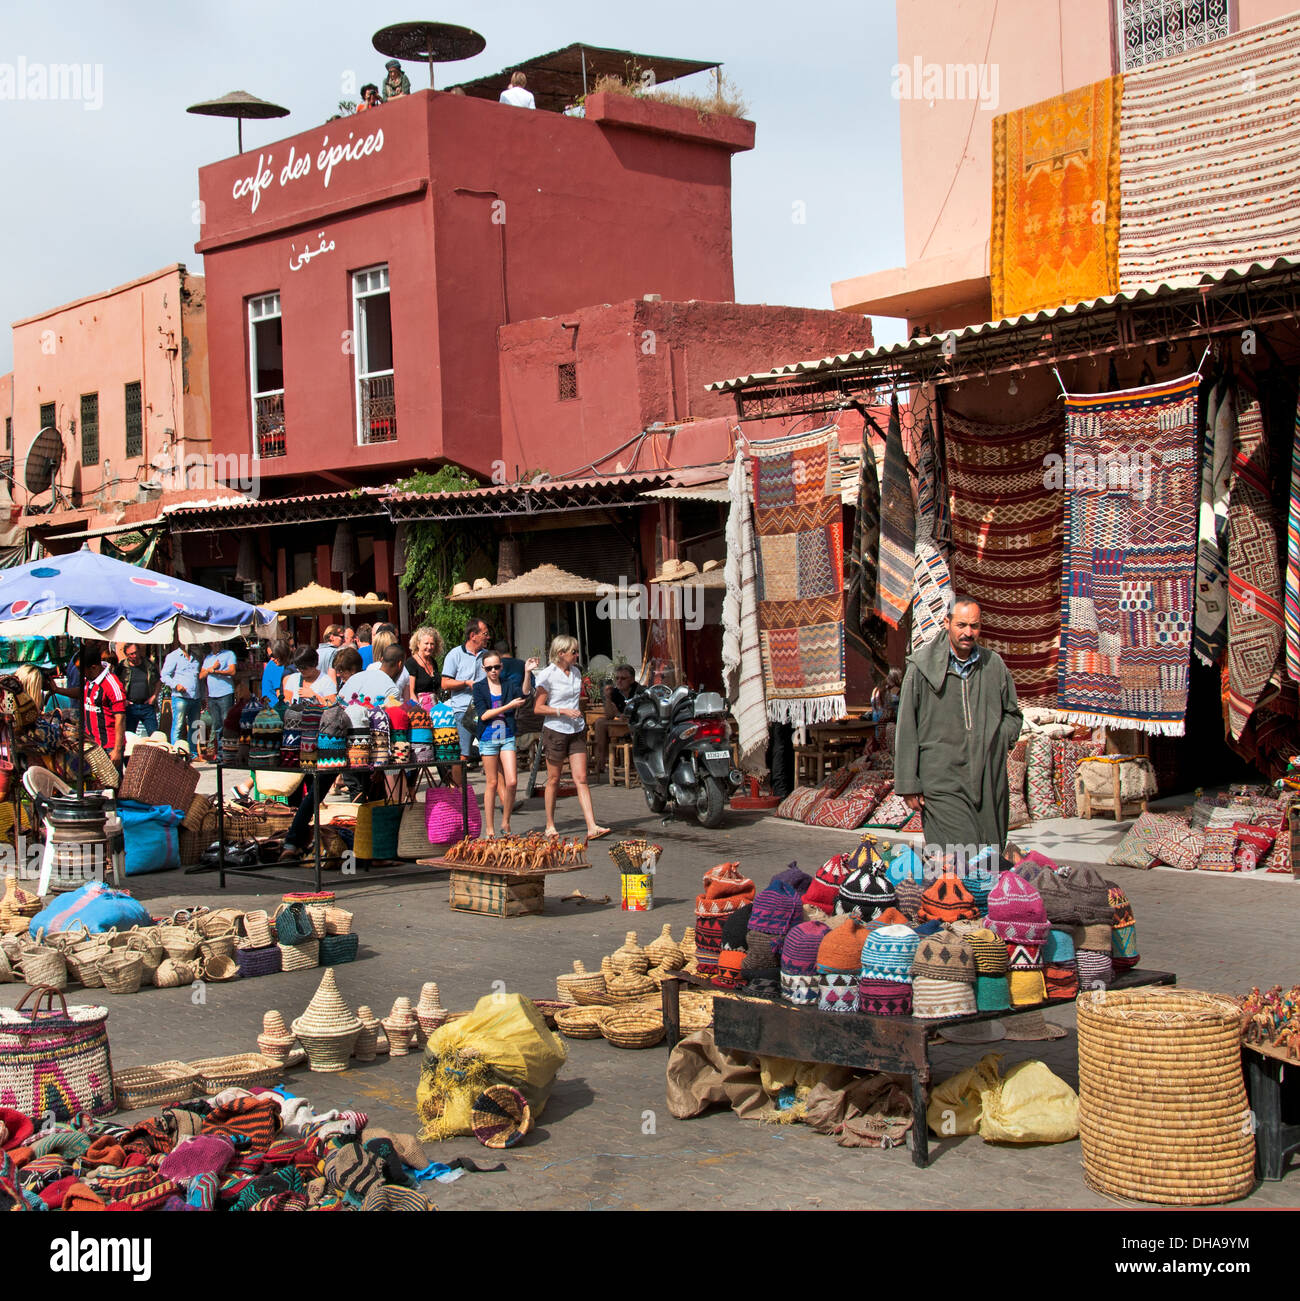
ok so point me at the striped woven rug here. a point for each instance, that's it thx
(1007, 535)
(1293, 561)
(1209, 146)
(931, 581)
(1127, 603)
(897, 527)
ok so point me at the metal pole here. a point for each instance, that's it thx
(582, 51)
(81, 721)
(239, 128)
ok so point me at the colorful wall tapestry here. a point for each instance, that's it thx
(798, 524)
(1210, 157)
(742, 661)
(1255, 616)
(1007, 534)
(1056, 205)
(1127, 599)
(1211, 637)
(1293, 561)
(931, 581)
(864, 629)
(897, 527)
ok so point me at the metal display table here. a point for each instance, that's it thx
(897, 1044)
(326, 776)
(1272, 1102)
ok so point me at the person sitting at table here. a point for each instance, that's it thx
(396, 83)
(617, 692)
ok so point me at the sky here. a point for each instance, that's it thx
(103, 189)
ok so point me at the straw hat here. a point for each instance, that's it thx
(674, 571)
(711, 566)
(978, 1032)
(1031, 1027)
(461, 589)
(481, 585)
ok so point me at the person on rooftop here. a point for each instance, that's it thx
(369, 97)
(517, 92)
(397, 83)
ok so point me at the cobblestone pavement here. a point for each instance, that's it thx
(607, 1140)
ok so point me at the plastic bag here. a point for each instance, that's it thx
(96, 906)
(152, 836)
(1030, 1105)
(504, 1039)
(957, 1104)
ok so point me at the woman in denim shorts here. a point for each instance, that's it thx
(496, 699)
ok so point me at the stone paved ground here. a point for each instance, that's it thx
(592, 1150)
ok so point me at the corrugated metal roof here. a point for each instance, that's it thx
(235, 503)
(930, 342)
(545, 486)
(703, 492)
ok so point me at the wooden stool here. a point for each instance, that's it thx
(809, 764)
(1089, 804)
(620, 758)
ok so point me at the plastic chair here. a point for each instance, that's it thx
(42, 786)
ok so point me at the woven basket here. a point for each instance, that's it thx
(219, 946)
(633, 1027)
(82, 956)
(333, 950)
(16, 902)
(299, 957)
(43, 965)
(338, 921)
(236, 1071)
(180, 943)
(1163, 1114)
(221, 966)
(221, 922)
(157, 775)
(264, 961)
(500, 1116)
(367, 1045)
(550, 1009)
(122, 971)
(328, 1029)
(146, 943)
(580, 977)
(317, 913)
(400, 1025)
(257, 929)
(100, 766)
(159, 1085)
(172, 973)
(663, 953)
(630, 957)
(580, 1022)
(629, 988)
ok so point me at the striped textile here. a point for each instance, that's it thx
(1127, 603)
(1292, 612)
(897, 527)
(931, 581)
(864, 629)
(742, 660)
(1255, 611)
(799, 529)
(1210, 157)
(1211, 637)
(1007, 535)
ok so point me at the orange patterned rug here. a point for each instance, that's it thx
(1056, 200)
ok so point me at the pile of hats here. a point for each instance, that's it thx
(420, 723)
(726, 891)
(444, 734)
(291, 736)
(268, 727)
(332, 738)
(752, 937)
(310, 712)
(399, 731)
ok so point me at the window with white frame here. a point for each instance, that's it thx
(266, 374)
(1150, 30)
(372, 324)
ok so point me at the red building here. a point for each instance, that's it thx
(358, 272)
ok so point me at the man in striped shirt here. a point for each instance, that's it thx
(105, 701)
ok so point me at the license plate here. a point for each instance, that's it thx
(717, 754)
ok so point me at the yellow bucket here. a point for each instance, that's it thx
(638, 892)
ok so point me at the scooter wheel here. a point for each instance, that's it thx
(711, 804)
(657, 803)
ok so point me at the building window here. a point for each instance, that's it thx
(9, 434)
(266, 368)
(48, 418)
(568, 380)
(90, 429)
(134, 421)
(372, 323)
(1150, 30)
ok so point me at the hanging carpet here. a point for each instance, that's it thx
(931, 581)
(864, 629)
(1211, 636)
(897, 527)
(1292, 612)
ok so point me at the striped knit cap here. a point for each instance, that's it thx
(989, 951)
(932, 999)
(763, 954)
(725, 890)
(799, 952)
(1016, 911)
(1096, 970)
(908, 892)
(824, 891)
(1062, 981)
(888, 953)
(776, 909)
(1124, 947)
(944, 957)
(884, 998)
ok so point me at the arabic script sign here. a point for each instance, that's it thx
(299, 260)
(328, 157)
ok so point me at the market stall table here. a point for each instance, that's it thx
(1271, 1098)
(897, 1044)
(507, 892)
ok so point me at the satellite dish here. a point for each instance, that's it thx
(44, 458)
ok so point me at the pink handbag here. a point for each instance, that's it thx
(442, 813)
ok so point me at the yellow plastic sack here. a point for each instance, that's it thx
(957, 1104)
(1030, 1105)
(503, 1039)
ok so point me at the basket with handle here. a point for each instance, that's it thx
(218, 946)
(338, 921)
(122, 971)
(155, 774)
(56, 1060)
(257, 929)
(180, 942)
(568, 983)
(316, 914)
(101, 768)
(43, 964)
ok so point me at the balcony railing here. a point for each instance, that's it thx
(378, 409)
(268, 423)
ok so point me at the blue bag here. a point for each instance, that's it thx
(95, 905)
(153, 838)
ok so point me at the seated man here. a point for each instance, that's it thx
(617, 693)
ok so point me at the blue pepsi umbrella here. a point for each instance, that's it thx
(84, 594)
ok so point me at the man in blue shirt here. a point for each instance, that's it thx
(461, 669)
(180, 672)
(273, 671)
(218, 675)
(329, 647)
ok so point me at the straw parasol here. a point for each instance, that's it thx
(431, 42)
(239, 104)
(315, 599)
(545, 583)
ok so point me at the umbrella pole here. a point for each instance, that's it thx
(239, 129)
(81, 720)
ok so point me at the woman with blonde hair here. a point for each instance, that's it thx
(30, 676)
(427, 649)
(564, 732)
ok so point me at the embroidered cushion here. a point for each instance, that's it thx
(1137, 848)
(1065, 765)
(891, 812)
(1217, 856)
(800, 802)
(851, 809)
(1180, 847)
(1254, 841)
(1016, 770)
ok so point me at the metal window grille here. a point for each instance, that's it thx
(90, 429)
(568, 380)
(48, 419)
(134, 420)
(1150, 30)
(373, 332)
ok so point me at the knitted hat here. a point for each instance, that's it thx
(932, 999)
(867, 886)
(884, 998)
(1024, 957)
(930, 928)
(799, 951)
(729, 974)
(944, 957)
(1027, 988)
(841, 948)
(800, 989)
(1058, 946)
(798, 881)
(981, 873)
(888, 954)
(708, 942)
(1121, 911)
(776, 909)
(908, 893)
(725, 890)
(735, 942)
(992, 993)
(1096, 970)
(1097, 937)
(989, 952)
(1062, 981)
(1037, 858)
(763, 954)
(890, 917)
(837, 991)
(1059, 901)
(1015, 911)
(825, 888)
(202, 1154)
(1091, 894)
(947, 900)
(1123, 947)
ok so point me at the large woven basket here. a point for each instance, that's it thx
(180, 942)
(1163, 1115)
(154, 1086)
(157, 775)
(122, 971)
(579, 977)
(236, 1071)
(44, 965)
(633, 1027)
(580, 1022)
(257, 928)
(299, 957)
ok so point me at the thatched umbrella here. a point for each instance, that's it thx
(432, 42)
(239, 104)
(545, 583)
(315, 599)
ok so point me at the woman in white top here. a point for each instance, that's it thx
(308, 682)
(564, 732)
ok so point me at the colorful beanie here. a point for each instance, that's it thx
(839, 958)
(776, 909)
(992, 993)
(1058, 946)
(944, 957)
(1123, 947)
(762, 956)
(725, 890)
(989, 952)
(908, 893)
(735, 944)
(1028, 988)
(1096, 970)
(890, 917)
(884, 998)
(825, 888)
(708, 943)
(1062, 980)
(933, 999)
(947, 900)
(1096, 937)
(1091, 894)
(1024, 957)
(1015, 911)
(1059, 901)
(798, 881)
(799, 952)
(888, 952)
(868, 890)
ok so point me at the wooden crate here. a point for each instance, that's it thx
(496, 895)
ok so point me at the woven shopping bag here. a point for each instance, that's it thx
(155, 774)
(55, 1061)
